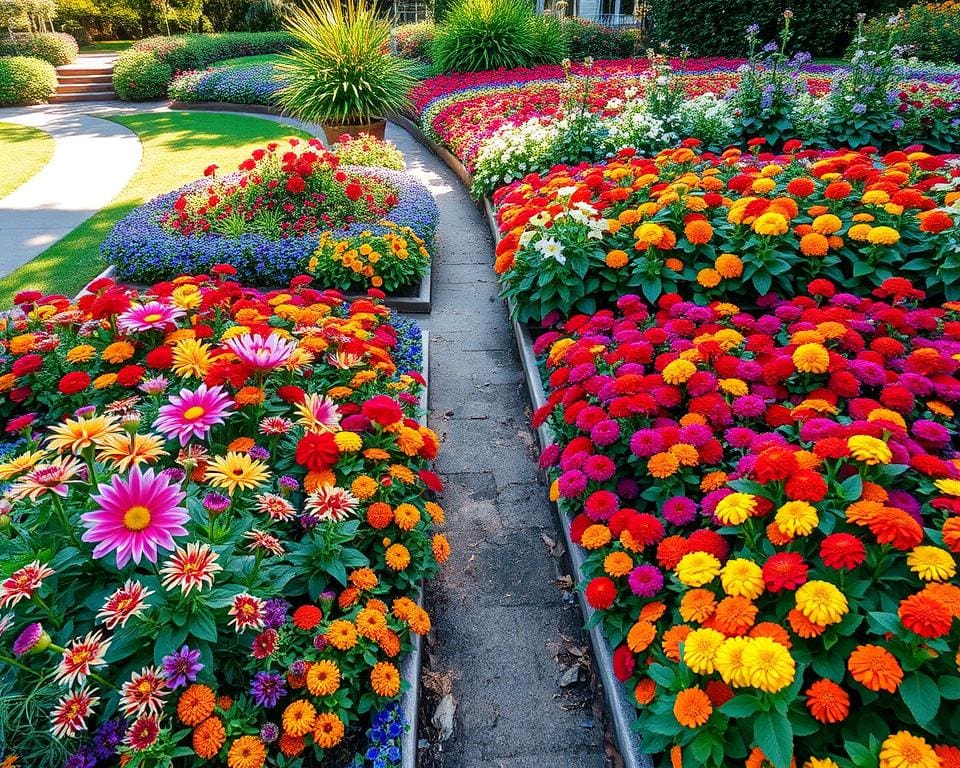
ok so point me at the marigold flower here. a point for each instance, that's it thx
(328, 730)
(827, 701)
(208, 738)
(875, 668)
(195, 705)
(692, 708)
(904, 750)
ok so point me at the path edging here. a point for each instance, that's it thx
(614, 694)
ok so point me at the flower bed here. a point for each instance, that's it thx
(236, 582)
(723, 227)
(269, 221)
(796, 468)
(253, 84)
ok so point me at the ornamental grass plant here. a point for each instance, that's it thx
(339, 74)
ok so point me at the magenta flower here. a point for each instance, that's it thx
(259, 353)
(194, 414)
(136, 515)
(154, 315)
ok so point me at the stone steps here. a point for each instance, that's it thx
(79, 82)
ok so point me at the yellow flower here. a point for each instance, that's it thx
(735, 387)
(125, 450)
(932, 563)
(349, 442)
(649, 233)
(771, 224)
(743, 578)
(869, 450)
(191, 358)
(708, 278)
(825, 762)
(697, 568)
(821, 602)
(735, 508)
(797, 518)
(826, 224)
(948, 486)
(875, 197)
(763, 185)
(678, 371)
(860, 232)
(729, 661)
(885, 414)
(883, 236)
(236, 471)
(23, 462)
(904, 750)
(811, 358)
(700, 650)
(81, 353)
(768, 665)
(76, 435)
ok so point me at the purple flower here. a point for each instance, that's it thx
(288, 483)
(320, 642)
(182, 667)
(275, 612)
(298, 668)
(81, 759)
(258, 452)
(269, 732)
(645, 580)
(28, 640)
(108, 738)
(216, 503)
(267, 689)
(679, 510)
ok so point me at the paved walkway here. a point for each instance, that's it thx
(92, 162)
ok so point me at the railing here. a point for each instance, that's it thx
(617, 19)
(411, 12)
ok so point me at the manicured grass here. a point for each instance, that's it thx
(248, 61)
(25, 151)
(177, 146)
(107, 46)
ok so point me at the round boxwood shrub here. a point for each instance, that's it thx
(57, 48)
(143, 250)
(141, 76)
(24, 80)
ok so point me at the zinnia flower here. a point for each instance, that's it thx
(692, 708)
(904, 750)
(236, 471)
(194, 414)
(192, 567)
(259, 353)
(136, 516)
(768, 665)
(875, 668)
(128, 601)
(869, 450)
(697, 568)
(828, 702)
(821, 602)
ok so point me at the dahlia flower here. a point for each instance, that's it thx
(194, 414)
(261, 353)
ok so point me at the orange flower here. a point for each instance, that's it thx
(672, 639)
(292, 746)
(246, 752)
(379, 515)
(814, 244)
(652, 612)
(802, 626)
(385, 679)
(328, 730)
(698, 605)
(875, 668)
(640, 636)
(698, 231)
(692, 708)
(323, 678)
(828, 702)
(298, 717)
(208, 738)
(617, 564)
(734, 615)
(440, 547)
(195, 705)
(645, 691)
(926, 616)
(774, 631)
(342, 635)
(946, 594)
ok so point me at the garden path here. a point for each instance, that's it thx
(504, 632)
(92, 162)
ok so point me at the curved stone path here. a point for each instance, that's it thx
(92, 162)
(505, 635)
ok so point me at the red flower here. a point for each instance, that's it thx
(784, 570)
(775, 464)
(73, 382)
(210, 170)
(291, 394)
(160, 358)
(129, 375)
(383, 410)
(307, 617)
(296, 184)
(806, 485)
(431, 480)
(925, 616)
(264, 644)
(601, 592)
(645, 529)
(842, 551)
(317, 452)
(624, 663)
(354, 191)
(21, 422)
(26, 364)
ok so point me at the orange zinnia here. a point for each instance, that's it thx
(692, 708)
(195, 705)
(875, 668)
(208, 738)
(645, 691)
(735, 615)
(774, 631)
(698, 605)
(828, 702)
(802, 626)
(672, 639)
(640, 636)
(926, 616)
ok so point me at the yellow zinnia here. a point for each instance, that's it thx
(700, 650)
(768, 665)
(869, 450)
(904, 750)
(811, 358)
(796, 518)
(191, 358)
(729, 662)
(883, 236)
(932, 563)
(821, 602)
(771, 224)
(742, 578)
(735, 508)
(697, 568)
(236, 471)
(678, 371)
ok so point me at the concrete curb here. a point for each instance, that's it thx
(622, 712)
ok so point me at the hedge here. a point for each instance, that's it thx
(57, 48)
(155, 60)
(25, 80)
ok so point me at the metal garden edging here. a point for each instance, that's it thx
(620, 709)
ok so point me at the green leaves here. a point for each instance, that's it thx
(774, 735)
(921, 695)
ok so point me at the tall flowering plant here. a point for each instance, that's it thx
(708, 459)
(211, 556)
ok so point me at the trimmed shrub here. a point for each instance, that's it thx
(141, 76)
(25, 80)
(183, 53)
(588, 38)
(413, 40)
(481, 35)
(57, 48)
(931, 31)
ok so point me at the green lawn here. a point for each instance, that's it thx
(177, 146)
(247, 61)
(25, 151)
(107, 46)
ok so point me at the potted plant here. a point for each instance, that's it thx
(340, 74)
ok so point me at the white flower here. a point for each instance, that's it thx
(551, 248)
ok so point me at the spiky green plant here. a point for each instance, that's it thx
(480, 35)
(340, 72)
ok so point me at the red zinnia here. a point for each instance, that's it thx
(601, 592)
(383, 410)
(129, 375)
(291, 394)
(842, 551)
(925, 616)
(317, 452)
(307, 617)
(296, 184)
(806, 485)
(784, 570)
(623, 663)
(160, 358)
(26, 364)
(73, 382)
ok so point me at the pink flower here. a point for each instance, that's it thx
(247, 611)
(331, 503)
(193, 414)
(154, 315)
(136, 516)
(70, 715)
(23, 583)
(259, 353)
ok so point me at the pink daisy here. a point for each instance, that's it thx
(128, 601)
(55, 477)
(154, 315)
(136, 516)
(23, 582)
(331, 503)
(259, 353)
(192, 567)
(193, 414)
(319, 414)
(247, 611)
(143, 693)
(80, 657)
(69, 717)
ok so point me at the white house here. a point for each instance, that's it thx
(613, 13)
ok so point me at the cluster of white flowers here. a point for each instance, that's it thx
(707, 117)
(637, 128)
(516, 150)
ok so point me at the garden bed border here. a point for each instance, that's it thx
(620, 709)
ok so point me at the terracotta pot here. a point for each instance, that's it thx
(334, 132)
